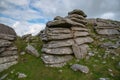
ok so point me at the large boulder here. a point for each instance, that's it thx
(58, 23)
(78, 67)
(75, 16)
(8, 51)
(31, 50)
(77, 11)
(6, 30)
(65, 36)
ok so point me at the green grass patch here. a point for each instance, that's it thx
(35, 69)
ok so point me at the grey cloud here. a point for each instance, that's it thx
(93, 8)
(52, 8)
(48, 9)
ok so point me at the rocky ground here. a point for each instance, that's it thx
(75, 47)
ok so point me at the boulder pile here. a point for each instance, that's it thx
(65, 38)
(8, 52)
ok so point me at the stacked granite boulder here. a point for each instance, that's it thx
(8, 52)
(65, 38)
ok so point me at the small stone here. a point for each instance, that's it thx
(22, 75)
(91, 54)
(22, 53)
(104, 79)
(105, 55)
(104, 62)
(96, 61)
(12, 71)
(112, 74)
(118, 63)
(99, 56)
(78, 67)
(60, 71)
(113, 57)
(110, 70)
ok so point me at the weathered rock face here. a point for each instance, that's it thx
(8, 52)
(6, 30)
(108, 33)
(65, 38)
(106, 27)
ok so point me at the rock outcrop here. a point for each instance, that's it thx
(8, 52)
(106, 27)
(65, 38)
(108, 33)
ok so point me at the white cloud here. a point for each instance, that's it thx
(22, 15)
(108, 15)
(19, 2)
(15, 24)
(22, 28)
(52, 8)
(7, 21)
(92, 8)
(35, 28)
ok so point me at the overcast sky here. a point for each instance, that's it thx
(30, 16)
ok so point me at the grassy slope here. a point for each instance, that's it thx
(35, 69)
